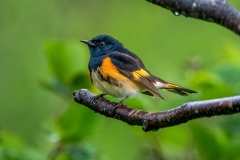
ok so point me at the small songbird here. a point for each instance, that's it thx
(118, 72)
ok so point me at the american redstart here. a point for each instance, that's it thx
(118, 72)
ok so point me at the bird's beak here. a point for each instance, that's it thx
(89, 43)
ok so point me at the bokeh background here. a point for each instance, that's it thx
(42, 63)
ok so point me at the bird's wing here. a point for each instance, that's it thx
(134, 70)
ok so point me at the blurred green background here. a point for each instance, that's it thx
(42, 63)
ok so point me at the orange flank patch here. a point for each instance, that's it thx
(137, 74)
(108, 69)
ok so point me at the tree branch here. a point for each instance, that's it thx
(152, 121)
(217, 11)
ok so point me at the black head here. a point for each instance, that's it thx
(102, 44)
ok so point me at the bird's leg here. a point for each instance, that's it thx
(122, 101)
(119, 104)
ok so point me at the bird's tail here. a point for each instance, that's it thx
(178, 89)
(161, 84)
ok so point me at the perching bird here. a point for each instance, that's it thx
(118, 72)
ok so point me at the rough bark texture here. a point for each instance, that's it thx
(152, 121)
(217, 11)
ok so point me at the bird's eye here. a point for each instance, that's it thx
(101, 44)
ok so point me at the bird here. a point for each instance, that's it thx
(116, 71)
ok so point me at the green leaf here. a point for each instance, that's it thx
(76, 151)
(232, 53)
(231, 125)
(77, 123)
(66, 59)
(68, 65)
(12, 148)
(80, 80)
(206, 142)
(211, 85)
(55, 85)
(231, 150)
(229, 72)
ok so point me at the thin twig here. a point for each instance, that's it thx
(217, 11)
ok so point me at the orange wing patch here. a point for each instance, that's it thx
(140, 73)
(173, 85)
(108, 69)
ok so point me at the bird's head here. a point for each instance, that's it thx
(102, 44)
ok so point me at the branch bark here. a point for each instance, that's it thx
(152, 121)
(217, 11)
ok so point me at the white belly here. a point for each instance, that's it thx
(125, 87)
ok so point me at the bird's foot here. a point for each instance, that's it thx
(119, 104)
(98, 97)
